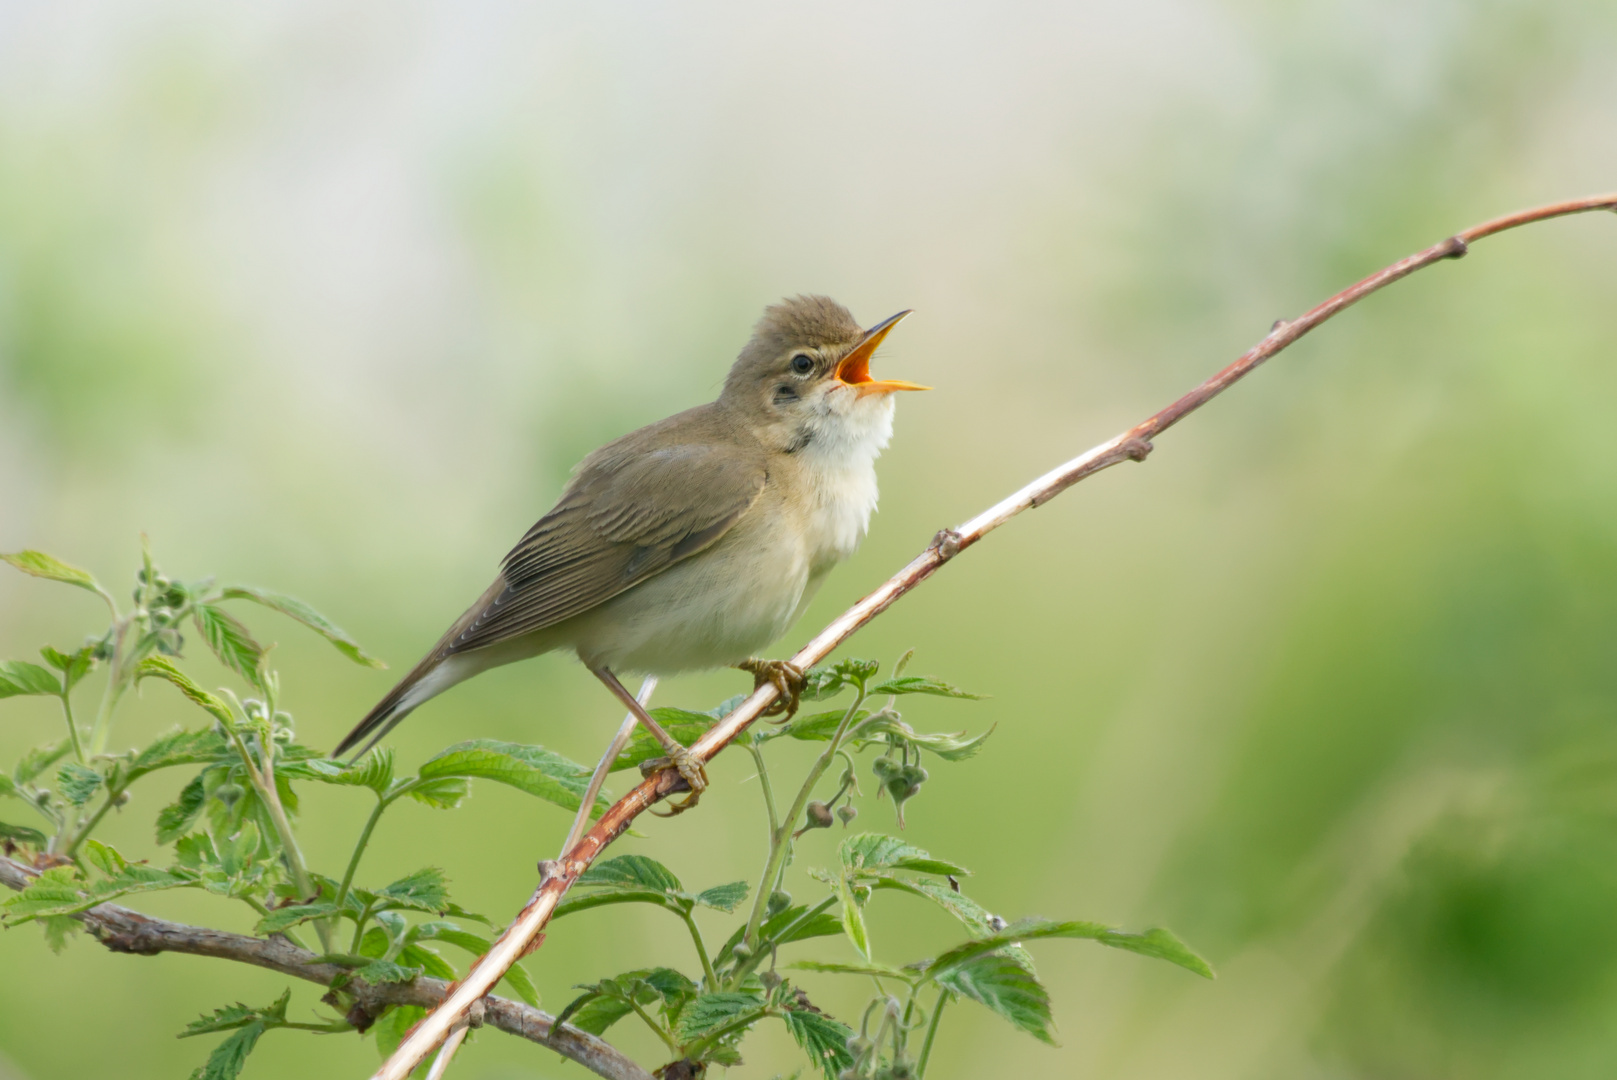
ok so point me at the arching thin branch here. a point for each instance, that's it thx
(1132, 445)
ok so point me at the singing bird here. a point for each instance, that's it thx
(694, 542)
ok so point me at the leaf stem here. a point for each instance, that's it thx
(101, 729)
(701, 949)
(263, 779)
(696, 1049)
(82, 833)
(944, 997)
(359, 850)
(768, 789)
(72, 728)
(288, 933)
(782, 835)
(359, 928)
(746, 967)
(662, 1033)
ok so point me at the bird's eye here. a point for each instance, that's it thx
(802, 363)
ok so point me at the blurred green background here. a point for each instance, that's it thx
(329, 298)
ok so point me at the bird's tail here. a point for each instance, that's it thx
(435, 674)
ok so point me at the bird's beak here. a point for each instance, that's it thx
(854, 369)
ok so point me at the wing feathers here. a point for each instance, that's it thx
(627, 516)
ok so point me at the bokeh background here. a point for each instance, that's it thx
(330, 297)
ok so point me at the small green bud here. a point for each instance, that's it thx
(741, 952)
(883, 767)
(228, 793)
(861, 894)
(779, 901)
(819, 816)
(847, 812)
(770, 979)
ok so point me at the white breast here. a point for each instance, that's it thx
(840, 466)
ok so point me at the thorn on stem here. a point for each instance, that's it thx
(548, 869)
(1278, 324)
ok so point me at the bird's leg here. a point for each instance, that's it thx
(785, 676)
(581, 821)
(680, 758)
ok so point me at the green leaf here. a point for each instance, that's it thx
(888, 726)
(1158, 943)
(784, 928)
(594, 1012)
(238, 1015)
(230, 1056)
(820, 683)
(374, 771)
(19, 677)
(631, 870)
(231, 642)
(391, 1028)
(181, 748)
(709, 1012)
(79, 783)
(424, 890)
(73, 666)
(42, 565)
(870, 968)
(823, 1039)
(175, 820)
(853, 920)
(104, 858)
(386, 971)
(308, 616)
(920, 684)
(163, 669)
(521, 983)
(62, 891)
(444, 794)
(725, 898)
(39, 759)
(427, 961)
(285, 918)
(476, 944)
(626, 879)
(818, 727)
(22, 834)
(532, 769)
(685, 726)
(978, 918)
(1008, 988)
(876, 851)
(8, 786)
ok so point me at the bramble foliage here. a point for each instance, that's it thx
(231, 832)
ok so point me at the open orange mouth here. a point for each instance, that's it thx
(854, 369)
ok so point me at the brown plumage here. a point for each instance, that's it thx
(734, 485)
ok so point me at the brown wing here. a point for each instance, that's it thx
(634, 510)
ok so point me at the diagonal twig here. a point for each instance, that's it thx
(1132, 445)
(126, 931)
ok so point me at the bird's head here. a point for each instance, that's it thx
(805, 376)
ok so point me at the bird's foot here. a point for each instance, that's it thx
(690, 769)
(786, 677)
